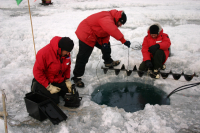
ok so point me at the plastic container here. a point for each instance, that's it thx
(40, 107)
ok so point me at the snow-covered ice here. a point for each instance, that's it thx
(180, 19)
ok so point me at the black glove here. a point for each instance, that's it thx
(149, 64)
(105, 46)
(153, 48)
(127, 43)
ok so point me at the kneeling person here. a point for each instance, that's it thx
(52, 69)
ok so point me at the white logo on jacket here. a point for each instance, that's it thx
(67, 63)
(158, 41)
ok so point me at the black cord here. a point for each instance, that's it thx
(183, 88)
(188, 86)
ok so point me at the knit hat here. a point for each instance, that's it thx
(123, 18)
(66, 43)
(154, 29)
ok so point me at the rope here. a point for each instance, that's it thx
(138, 47)
(146, 78)
(31, 27)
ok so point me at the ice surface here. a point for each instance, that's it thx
(180, 20)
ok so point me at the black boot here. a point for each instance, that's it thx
(163, 67)
(78, 82)
(112, 64)
(155, 74)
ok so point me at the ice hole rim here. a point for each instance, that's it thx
(131, 96)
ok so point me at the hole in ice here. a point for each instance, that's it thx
(131, 96)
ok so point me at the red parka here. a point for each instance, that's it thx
(99, 27)
(48, 67)
(162, 39)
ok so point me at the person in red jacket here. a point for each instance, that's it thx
(96, 30)
(155, 50)
(52, 69)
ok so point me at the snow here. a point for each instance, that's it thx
(180, 19)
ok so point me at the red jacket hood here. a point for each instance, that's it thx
(54, 44)
(116, 14)
(48, 67)
(160, 29)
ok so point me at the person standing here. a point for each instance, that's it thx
(96, 30)
(155, 50)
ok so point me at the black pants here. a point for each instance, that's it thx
(157, 61)
(37, 87)
(83, 56)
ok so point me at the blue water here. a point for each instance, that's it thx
(131, 96)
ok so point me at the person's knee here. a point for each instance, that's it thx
(35, 85)
(159, 52)
(142, 67)
(159, 55)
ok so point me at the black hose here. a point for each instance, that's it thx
(189, 85)
(183, 88)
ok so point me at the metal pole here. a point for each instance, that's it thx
(31, 27)
(128, 63)
(4, 112)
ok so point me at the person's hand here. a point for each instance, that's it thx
(127, 43)
(153, 48)
(53, 89)
(149, 64)
(69, 85)
(105, 46)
